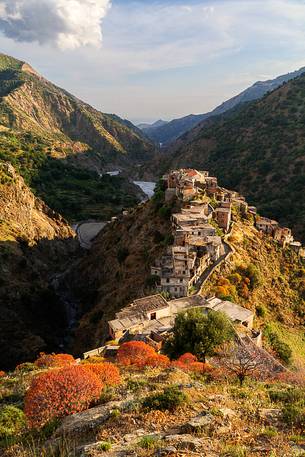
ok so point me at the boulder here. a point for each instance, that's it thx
(185, 441)
(199, 423)
(166, 451)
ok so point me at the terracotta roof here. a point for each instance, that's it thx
(142, 306)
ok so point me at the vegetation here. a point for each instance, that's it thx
(198, 333)
(169, 399)
(12, 421)
(59, 393)
(282, 350)
(257, 149)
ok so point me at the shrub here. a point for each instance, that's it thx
(157, 360)
(104, 446)
(234, 451)
(59, 393)
(280, 347)
(148, 442)
(12, 421)
(107, 372)
(26, 367)
(294, 415)
(189, 362)
(2, 374)
(169, 399)
(135, 353)
(187, 358)
(261, 311)
(54, 360)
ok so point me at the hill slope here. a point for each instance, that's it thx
(257, 149)
(117, 270)
(60, 145)
(35, 243)
(166, 134)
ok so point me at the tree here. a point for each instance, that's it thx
(238, 359)
(59, 393)
(198, 333)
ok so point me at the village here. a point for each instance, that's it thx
(200, 231)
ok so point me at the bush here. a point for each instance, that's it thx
(2, 374)
(294, 415)
(54, 360)
(59, 393)
(104, 446)
(12, 421)
(148, 442)
(157, 360)
(26, 367)
(135, 353)
(261, 311)
(291, 395)
(189, 362)
(280, 347)
(107, 372)
(169, 399)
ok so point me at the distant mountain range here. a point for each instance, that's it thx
(168, 132)
(257, 148)
(147, 127)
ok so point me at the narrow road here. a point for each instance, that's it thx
(208, 271)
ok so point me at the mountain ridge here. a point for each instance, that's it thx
(177, 127)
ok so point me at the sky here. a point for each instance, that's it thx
(151, 59)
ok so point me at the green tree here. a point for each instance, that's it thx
(198, 333)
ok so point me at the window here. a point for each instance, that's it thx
(167, 280)
(153, 316)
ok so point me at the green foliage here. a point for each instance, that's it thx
(148, 442)
(104, 446)
(152, 281)
(289, 395)
(281, 348)
(12, 421)
(169, 399)
(261, 311)
(198, 333)
(294, 415)
(234, 451)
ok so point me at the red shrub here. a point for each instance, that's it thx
(157, 360)
(59, 393)
(135, 353)
(189, 362)
(187, 358)
(2, 374)
(107, 372)
(54, 360)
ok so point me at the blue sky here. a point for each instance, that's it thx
(145, 60)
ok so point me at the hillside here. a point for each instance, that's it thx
(35, 244)
(168, 133)
(61, 145)
(258, 150)
(130, 246)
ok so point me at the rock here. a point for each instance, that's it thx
(87, 420)
(201, 422)
(185, 441)
(227, 412)
(269, 415)
(166, 451)
(133, 436)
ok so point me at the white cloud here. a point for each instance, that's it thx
(69, 24)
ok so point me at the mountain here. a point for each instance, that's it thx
(166, 134)
(117, 270)
(61, 145)
(257, 149)
(35, 243)
(147, 127)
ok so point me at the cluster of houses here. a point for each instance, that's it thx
(196, 246)
(282, 235)
(153, 317)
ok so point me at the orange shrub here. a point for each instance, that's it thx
(135, 353)
(157, 360)
(2, 374)
(58, 393)
(107, 372)
(189, 362)
(187, 358)
(54, 360)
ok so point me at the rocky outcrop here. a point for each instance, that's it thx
(35, 245)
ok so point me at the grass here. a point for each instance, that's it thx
(148, 442)
(294, 337)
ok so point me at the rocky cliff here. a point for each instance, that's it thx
(35, 244)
